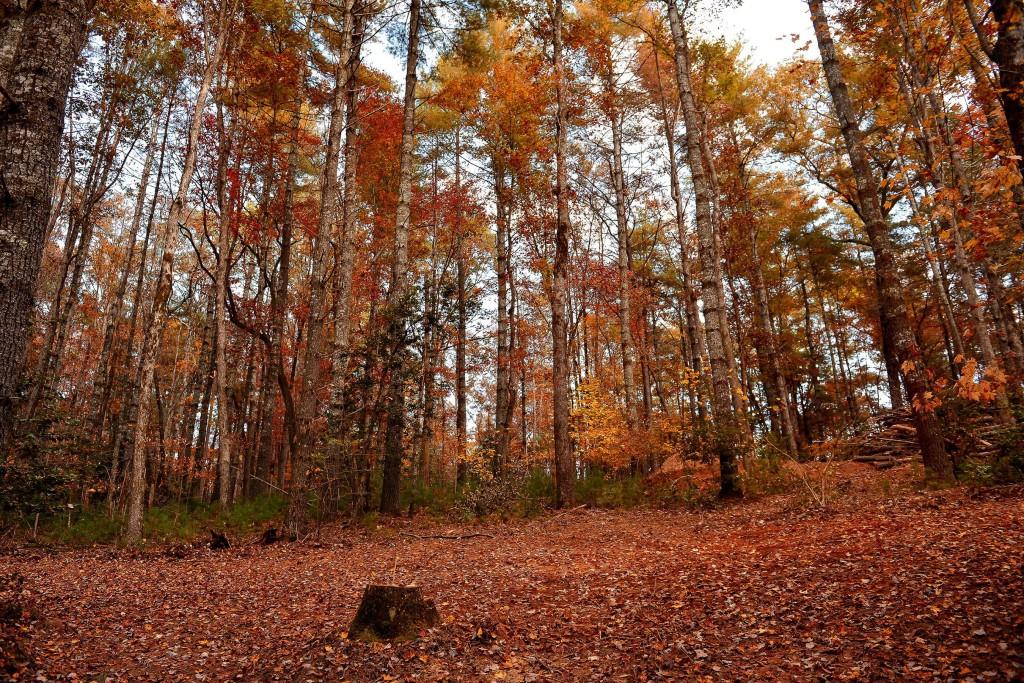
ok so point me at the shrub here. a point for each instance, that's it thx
(763, 476)
(435, 499)
(174, 522)
(1004, 466)
(500, 495)
(600, 489)
(28, 489)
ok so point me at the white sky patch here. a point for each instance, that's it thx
(766, 28)
(376, 55)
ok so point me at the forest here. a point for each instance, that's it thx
(575, 316)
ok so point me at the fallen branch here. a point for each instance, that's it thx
(565, 512)
(447, 537)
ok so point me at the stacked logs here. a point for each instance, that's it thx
(891, 440)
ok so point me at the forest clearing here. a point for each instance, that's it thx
(890, 583)
(511, 340)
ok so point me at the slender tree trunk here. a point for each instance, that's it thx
(103, 372)
(203, 435)
(626, 346)
(273, 372)
(929, 111)
(221, 285)
(460, 343)
(565, 468)
(777, 394)
(345, 256)
(193, 405)
(327, 229)
(503, 370)
(158, 309)
(66, 298)
(892, 306)
(727, 432)
(694, 325)
(399, 294)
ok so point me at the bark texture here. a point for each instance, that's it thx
(565, 469)
(51, 35)
(727, 434)
(1008, 54)
(399, 293)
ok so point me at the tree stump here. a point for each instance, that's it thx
(392, 613)
(218, 541)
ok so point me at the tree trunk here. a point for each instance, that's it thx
(11, 22)
(927, 108)
(398, 302)
(565, 469)
(698, 349)
(727, 433)
(158, 310)
(326, 231)
(337, 424)
(31, 131)
(460, 344)
(1008, 54)
(775, 383)
(221, 285)
(626, 347)
(892, 307)
(113, 317)
(505, 388)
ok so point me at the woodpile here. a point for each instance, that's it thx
(891, 440)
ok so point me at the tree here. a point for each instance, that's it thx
(727, 428)
(34, 90)
(400, 291)
(891, 304)
(157, 313)
(565, 469)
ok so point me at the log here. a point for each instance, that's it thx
(392, 613)
(447, 537)
(893, 463)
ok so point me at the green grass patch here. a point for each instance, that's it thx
(171, 523)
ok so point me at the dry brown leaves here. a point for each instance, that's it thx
(914, 586)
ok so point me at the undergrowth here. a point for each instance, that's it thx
(174, 522)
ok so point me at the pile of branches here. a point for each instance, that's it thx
(891, 439)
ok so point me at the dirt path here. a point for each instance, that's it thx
(918, 587)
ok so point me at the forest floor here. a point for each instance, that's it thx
(889, 583)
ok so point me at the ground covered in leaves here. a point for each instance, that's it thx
(889, 583)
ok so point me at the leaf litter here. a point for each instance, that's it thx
(904, 586)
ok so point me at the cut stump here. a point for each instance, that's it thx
(392, 613)
(270, 536)
(218, 541)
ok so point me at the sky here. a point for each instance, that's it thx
(766, 26)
